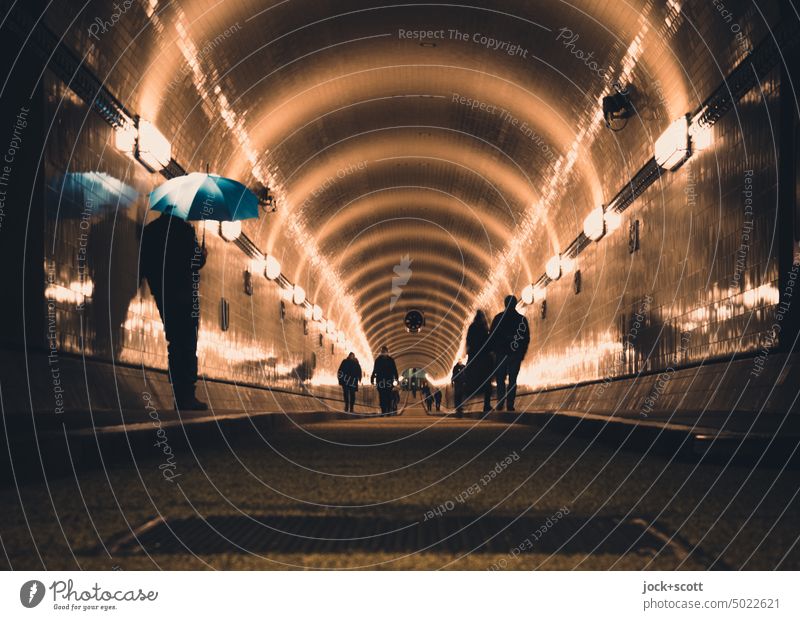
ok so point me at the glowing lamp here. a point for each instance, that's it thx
(85, 288)
(702, 136)
(539, 293)
(594, 226)
(125, 139)
(672, 147)
(316, 313)
(257, 265)
(273, 267)
(298, 294)
(307, 313)
(527, 294)
(152, 147)
(341, 338)
(553, 267)
(613, 220)
(330, 327)
(230, 231)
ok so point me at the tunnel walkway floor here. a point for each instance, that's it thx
(413, 491)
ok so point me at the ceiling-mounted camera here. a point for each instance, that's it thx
(266, 199)
(617, 108)
(414, 321)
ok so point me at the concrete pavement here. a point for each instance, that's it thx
(412, 491)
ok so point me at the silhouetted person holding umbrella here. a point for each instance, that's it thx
(510, 336)
(384, 374)
(350, 375)
(171, 260)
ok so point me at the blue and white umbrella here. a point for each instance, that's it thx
(203, 196)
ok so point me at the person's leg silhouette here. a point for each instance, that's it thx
(513, 371)
(500, 378)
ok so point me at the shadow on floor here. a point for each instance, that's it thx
(542, 533)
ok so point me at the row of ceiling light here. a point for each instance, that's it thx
(671, 149)
(142, 141)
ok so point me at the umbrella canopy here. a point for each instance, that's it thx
(203, 196)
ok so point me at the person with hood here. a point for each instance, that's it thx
(510, 336)
(384, 375)
(349, 375)
(480, 360)
(171, 260)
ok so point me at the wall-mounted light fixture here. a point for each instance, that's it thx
(257, 265)
(594, 226)
(672, 147)
(613, 220)
(553, 267)
(273, 268)
(298, 294)
(125, 139)
(230, 231)
(286, 292)
(539, 293)
(527, 294)
(152, 147)
(316, 313)
(211, 226)
(701, 136)
(330, 327)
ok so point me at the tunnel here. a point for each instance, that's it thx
(627, 171)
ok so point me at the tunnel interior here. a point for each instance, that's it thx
(430, 157)
(627, 171)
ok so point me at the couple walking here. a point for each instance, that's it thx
(496, 350)
(384, 377)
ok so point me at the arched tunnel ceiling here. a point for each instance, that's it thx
(370, 142)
